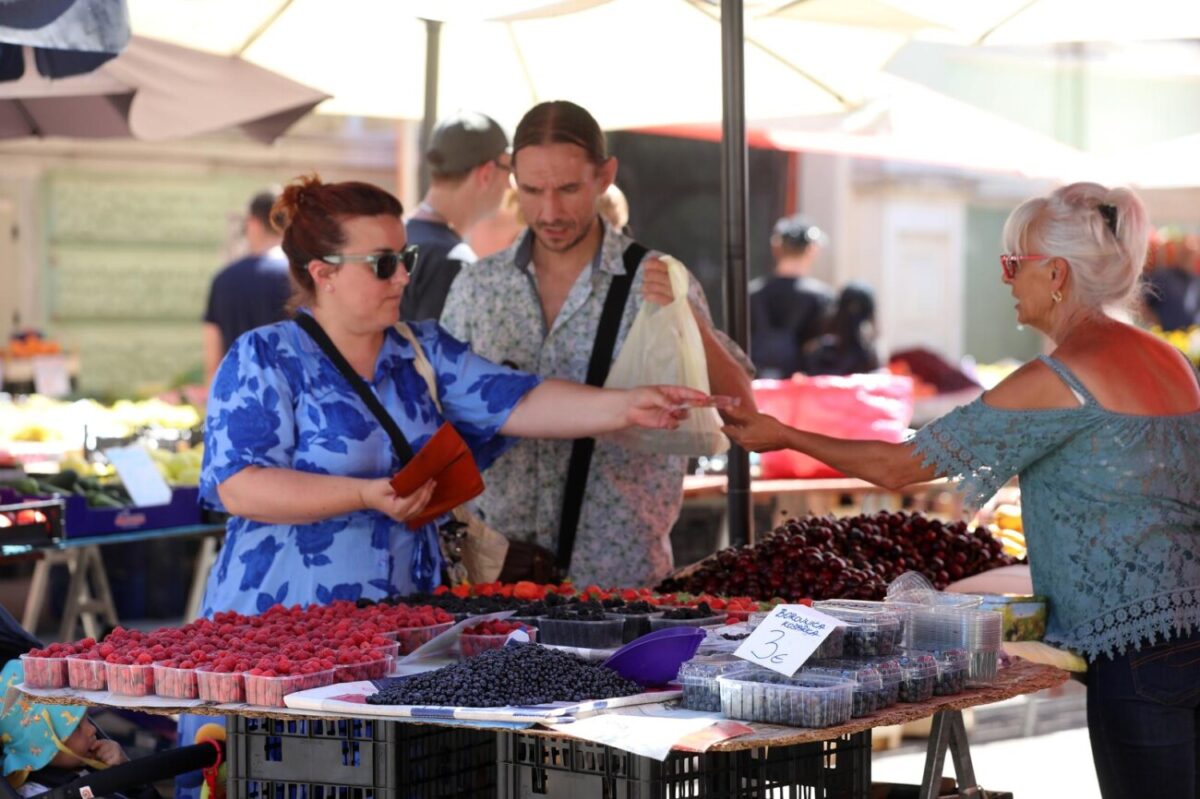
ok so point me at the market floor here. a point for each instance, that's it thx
(1058, 764)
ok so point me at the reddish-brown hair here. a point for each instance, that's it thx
(310, 213)
(561, 122)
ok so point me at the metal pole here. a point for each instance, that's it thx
(735, 221)
(433, 46)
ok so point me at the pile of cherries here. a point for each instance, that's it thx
(822, 557)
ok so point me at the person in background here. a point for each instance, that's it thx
(250, 292)
(1103, 434)
(614, 209)
(537, 306)
(848, 345)
(468, 173)
(497, 232)
(787, 309)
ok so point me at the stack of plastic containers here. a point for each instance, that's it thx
(978, 632)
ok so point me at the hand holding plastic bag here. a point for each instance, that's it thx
(664, 348)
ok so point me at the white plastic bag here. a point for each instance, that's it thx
(664, 348)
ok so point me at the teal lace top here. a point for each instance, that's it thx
(1110, 504)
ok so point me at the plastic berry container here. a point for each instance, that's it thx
(918, 674)
(390, 649)
(222, 687)
(599, 634)
(698, 678)
(410, 638)
(636, 624)
(868, 685)
(269, 691)
(365, 670)
(130, 679)
(805, 700)
(869, 630)
(45, 672)
(953, 666)
(87, 673)
(889, 673)
(472, 645)
(174, 682)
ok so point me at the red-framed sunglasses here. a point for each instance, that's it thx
(1009, 263)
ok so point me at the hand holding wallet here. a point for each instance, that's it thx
(447, 460)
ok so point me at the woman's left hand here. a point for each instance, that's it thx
(753, 431)
(664, 407)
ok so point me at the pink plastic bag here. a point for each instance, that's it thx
(877, 406)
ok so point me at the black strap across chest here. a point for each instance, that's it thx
(310, 326)
(598, 366)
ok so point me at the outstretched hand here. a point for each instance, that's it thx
(665, 407)
(379, 495)
(754, 431)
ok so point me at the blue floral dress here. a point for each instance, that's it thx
(278, 401)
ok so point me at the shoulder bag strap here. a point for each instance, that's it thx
(364, 392)
(598, 366)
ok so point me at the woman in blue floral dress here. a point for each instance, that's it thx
(1103, 434)
(299, 461)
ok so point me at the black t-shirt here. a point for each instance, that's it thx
(249, 293)
(442, 254)
(786, 313)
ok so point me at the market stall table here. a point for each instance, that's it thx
(89, 599)
(948, 733)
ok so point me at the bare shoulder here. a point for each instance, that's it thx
(1034, 386)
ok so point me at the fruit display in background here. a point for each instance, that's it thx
(847, 558)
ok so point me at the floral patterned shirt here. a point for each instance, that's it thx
(278, 401)
(632, 499)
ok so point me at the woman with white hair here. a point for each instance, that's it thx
(1103, 434)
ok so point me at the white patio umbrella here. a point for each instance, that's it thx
(153, 91)
(632, 63)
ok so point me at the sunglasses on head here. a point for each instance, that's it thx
(1009, 263)
(384, 264)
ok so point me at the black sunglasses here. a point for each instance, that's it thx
(384, 264)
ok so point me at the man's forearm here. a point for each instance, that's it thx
(726, 376)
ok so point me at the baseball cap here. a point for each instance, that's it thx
(798, 232)
(463, 141)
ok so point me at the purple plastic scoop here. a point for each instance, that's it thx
(655, 658)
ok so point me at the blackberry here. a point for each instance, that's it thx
(701, 611)
(639, 607)
(522, 674)
(582, 611)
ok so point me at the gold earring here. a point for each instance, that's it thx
(1056, 295)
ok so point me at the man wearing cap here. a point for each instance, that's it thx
(468, 168)
(788, 309)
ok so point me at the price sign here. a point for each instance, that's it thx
(787, 638)
(141, 477)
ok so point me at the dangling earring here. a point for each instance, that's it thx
(1056, 295)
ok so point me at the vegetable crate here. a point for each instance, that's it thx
(533, 766)
(357, 759)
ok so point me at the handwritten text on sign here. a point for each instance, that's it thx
(787, 638)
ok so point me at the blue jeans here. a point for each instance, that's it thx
(1144, 720)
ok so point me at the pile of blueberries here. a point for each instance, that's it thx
(523, 674)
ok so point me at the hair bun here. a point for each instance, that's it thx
(292, 199)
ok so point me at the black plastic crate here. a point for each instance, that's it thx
(534, 766)
(358, 759)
